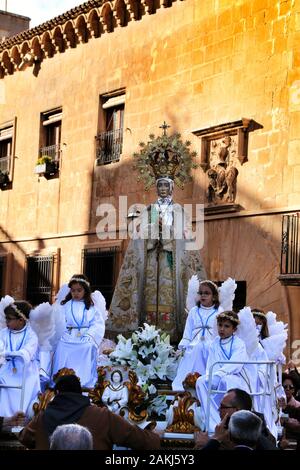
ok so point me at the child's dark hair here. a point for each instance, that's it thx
(20, 309)
(229, 315)
(258, 312)
(214, 288)
(83, 281)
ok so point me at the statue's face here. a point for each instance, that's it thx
(163, 188)
(116, 378)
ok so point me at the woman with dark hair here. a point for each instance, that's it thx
(291, 425)
(84, 329)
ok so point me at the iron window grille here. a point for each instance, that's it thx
(99, 265)
(39, 279)
(109, 146)
(290, 244)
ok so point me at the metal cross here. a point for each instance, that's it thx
(164, 126)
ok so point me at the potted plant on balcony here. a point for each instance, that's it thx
(45, 165)
(4, 178)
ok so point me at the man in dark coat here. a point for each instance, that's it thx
(70, 406)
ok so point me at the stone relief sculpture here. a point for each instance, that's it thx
(222, 173)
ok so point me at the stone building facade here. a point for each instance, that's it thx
(11, 24)
(79, 93)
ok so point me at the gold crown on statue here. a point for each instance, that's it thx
(165, 157)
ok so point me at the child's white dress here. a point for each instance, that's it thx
(225, 376)
(78, 347)
(25, 343)
(197, 338)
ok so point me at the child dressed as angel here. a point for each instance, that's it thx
(19, 350)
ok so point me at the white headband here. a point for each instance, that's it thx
(78, 279)
(207, 281)
(227, 316)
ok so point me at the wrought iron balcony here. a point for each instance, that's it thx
(52, 151)
(109, 146)
(290, 250)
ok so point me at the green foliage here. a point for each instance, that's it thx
(44, 159)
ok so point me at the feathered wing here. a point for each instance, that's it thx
(226, 293)
(42, 323)
(100, 303)
(192, 293)
(62, 293)
(276, 342)
(247, 330)
(59, 324)
(4, 302)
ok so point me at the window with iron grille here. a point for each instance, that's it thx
(39, 279)
(50, 140)
(2, 266)
(239, 301)
(6, 152)
(99, 265)
(109, 140)
(290, 246)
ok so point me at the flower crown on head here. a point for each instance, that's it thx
(78, 279)
(227, 315)
(207, 281)
(20, 314)
(258, 314)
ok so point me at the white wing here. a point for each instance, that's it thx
(42, 323)
(59, 324)
(274, 345)
(226, 293)
(62, 293)
(192, 294)
(276, 342)
(247, 330)
(275, 327)
(100, 303)
(5, 301)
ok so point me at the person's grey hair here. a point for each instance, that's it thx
(71, 437)
(244, 427)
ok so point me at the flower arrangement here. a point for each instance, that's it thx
(150, 355)
(44, 159)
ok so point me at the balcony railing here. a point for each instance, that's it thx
(290, 246)
(52, 151)
(109, 146)
(4, 164)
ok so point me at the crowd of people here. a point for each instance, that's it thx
(241, 417)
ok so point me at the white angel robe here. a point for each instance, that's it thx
(197, 338)
(230, 375)
(273, 347)
(25, 343)
(78, 347)
(258, 375)
(115, 397)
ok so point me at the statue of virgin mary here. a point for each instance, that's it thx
(158, 263)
